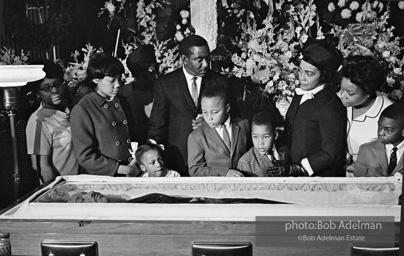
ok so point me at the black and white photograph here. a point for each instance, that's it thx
(201, 127)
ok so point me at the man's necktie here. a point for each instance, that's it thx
(195, 90)
(393, 160)
(226, 137)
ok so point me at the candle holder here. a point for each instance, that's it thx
(12, 77)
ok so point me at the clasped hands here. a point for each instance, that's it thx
(284, 169)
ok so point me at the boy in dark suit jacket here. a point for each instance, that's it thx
(384, 157)
(215, 147)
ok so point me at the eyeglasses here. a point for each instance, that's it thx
(48, 88)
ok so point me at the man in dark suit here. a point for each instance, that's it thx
(177, 101)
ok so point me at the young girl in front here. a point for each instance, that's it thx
(149, 158)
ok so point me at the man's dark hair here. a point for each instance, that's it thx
(189, 42)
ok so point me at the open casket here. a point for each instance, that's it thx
(121, 226)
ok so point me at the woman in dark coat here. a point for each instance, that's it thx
(139, 93)
(315, 125)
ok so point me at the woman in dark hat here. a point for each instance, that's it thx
(139, 93)
(315, 125)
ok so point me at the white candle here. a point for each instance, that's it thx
(116, 44)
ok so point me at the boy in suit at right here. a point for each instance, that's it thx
(384, 157)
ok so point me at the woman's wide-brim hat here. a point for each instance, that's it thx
(322, 54)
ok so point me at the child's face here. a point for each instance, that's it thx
(108, 86)
(390, 131)
(153, 163)
(263, 138)
(214, 111)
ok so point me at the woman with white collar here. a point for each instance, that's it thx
(362, 78)
(315, 124)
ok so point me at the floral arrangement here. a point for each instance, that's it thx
(8, 57)
(376, 39)
(268, 54)
(76, 72)
(167, 58)
(166, 52)
(116, 12)
(184, 27)
(344, 12)
(146, 21)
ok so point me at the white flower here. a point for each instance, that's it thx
(256, 58)
(371, 15)
(253, 45)
(354, 6)
(397, 71)
(184, 14)
(243, 55)
(331, 7)
(366, 7)
(375, 3)
(249, 65)
(148, 9)
(359, 17)
(346, 14)
(341, 3)
(303, 38)
(184, 21)
(380, 6)
(386, 54)
(178, 36)
(401, 5)
(110, 7)
(298, 30)
(178, 27)
(390, 81)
